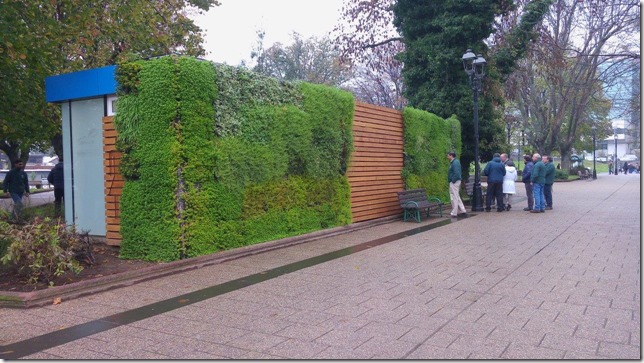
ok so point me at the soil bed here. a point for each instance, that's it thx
(106, 263)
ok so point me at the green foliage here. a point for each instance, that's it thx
(149, 225)
(521, 36)
(436, 34)
(561, 174)
(240, 88)
(428, 139)
(41, 250)
(40, 38)
(218, 157)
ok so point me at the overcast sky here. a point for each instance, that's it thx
(231, 28)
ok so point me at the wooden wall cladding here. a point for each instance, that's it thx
(376, 162)
(113, 182)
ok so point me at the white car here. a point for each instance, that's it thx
(628, 157)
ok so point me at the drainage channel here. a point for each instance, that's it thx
(63, 336)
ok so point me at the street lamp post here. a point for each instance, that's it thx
(615, 157)
(522, 146)
(594, 165)
(475, 68)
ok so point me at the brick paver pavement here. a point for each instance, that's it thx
(561, 284)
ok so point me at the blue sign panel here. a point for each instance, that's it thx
(78, 85)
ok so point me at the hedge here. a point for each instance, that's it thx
(427, 140)
(217, 157)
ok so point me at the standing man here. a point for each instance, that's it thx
(16, 183)
(504, 159)
(538, 179)
(525, 177)
(56, 178)
(454, 180)
(495, 171)
(550, 180)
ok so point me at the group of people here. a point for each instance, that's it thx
(538, 177)
(627, 168)
(16, 184)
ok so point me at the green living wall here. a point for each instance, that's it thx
(217, 157)
(427, 140)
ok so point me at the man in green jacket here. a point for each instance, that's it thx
(16, 183)
(538, 179)
(454, 180)
(550, 180)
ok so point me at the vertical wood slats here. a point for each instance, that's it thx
(113, 182)
(376, 162)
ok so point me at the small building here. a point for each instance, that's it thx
(85, 98)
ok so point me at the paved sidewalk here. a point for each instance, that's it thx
(33, 200)
(561, 284)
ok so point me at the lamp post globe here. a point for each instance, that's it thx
(594, 159)
(474, 66)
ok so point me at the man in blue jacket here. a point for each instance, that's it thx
(16, 184)
(56, 178)
(525, 178)
(550, 179)
(538, 179)
(495, 171)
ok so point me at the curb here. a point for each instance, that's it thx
(11, 299)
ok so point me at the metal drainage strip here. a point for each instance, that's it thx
(59, 337)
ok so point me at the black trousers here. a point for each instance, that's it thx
(528, 192)
(494, 190)
(59, 195)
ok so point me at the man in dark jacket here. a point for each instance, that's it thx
(454, 180)
(525, 177)
(16, 183)
(550, 180)
(495, 171)
(56, 178)
(538, 179)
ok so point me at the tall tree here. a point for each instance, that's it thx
(560, 86)
(41, 37)
(377, 77)
(313, 60)
(435, 34)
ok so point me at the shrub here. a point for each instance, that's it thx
(42, 249)
(428, 139)
(561, 174)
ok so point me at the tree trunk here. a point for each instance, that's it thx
(57, 144)
(565, 160)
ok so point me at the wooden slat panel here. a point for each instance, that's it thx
(378, 119)
(376, 190)
(113, 182)
(361, 217)
(384, 133)
(376, 162)
(112, 213)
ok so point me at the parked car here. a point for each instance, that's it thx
(628, 157)
(602, 159)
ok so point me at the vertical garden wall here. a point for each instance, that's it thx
(216, 157)
(427, 140)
